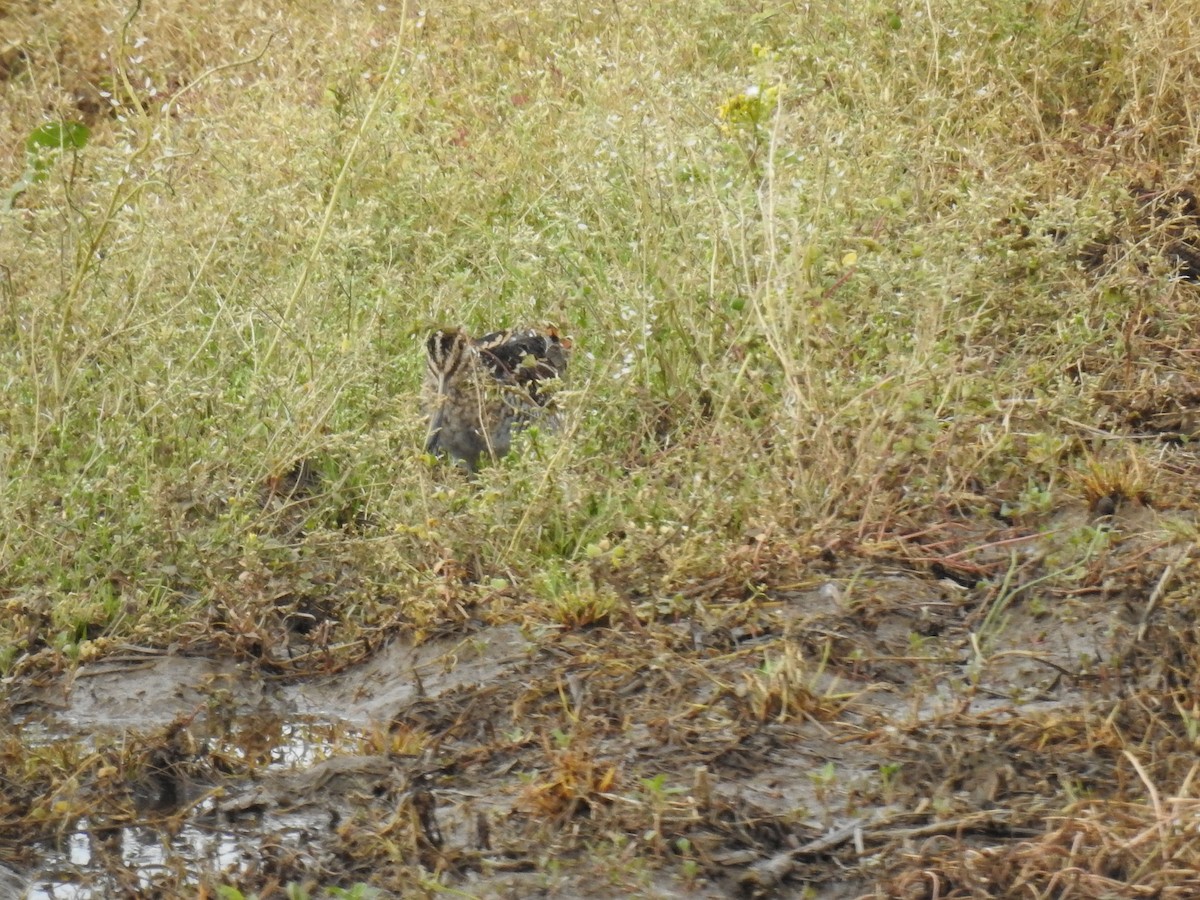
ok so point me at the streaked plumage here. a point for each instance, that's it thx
(479, 390)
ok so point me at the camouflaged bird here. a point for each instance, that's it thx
(478, 391)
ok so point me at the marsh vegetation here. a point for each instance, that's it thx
(862, 562)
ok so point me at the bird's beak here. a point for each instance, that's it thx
(435, 428)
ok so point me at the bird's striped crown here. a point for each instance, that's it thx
(479, 390)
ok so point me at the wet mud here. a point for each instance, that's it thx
(841, 734)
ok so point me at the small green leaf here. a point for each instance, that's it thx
(655, 784)
(35, 172)
(57, 136)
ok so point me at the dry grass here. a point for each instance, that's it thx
(905, 284)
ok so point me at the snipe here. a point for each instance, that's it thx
(479, 390)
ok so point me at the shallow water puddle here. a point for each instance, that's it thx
(97, 860)
(144, 853)
(218, 762)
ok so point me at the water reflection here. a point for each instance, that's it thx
(97, 862)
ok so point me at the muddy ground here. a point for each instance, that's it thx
(947, 713)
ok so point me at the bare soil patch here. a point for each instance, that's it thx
(889, 723)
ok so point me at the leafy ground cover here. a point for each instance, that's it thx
(862, 565)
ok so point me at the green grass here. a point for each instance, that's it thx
(820, 266)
